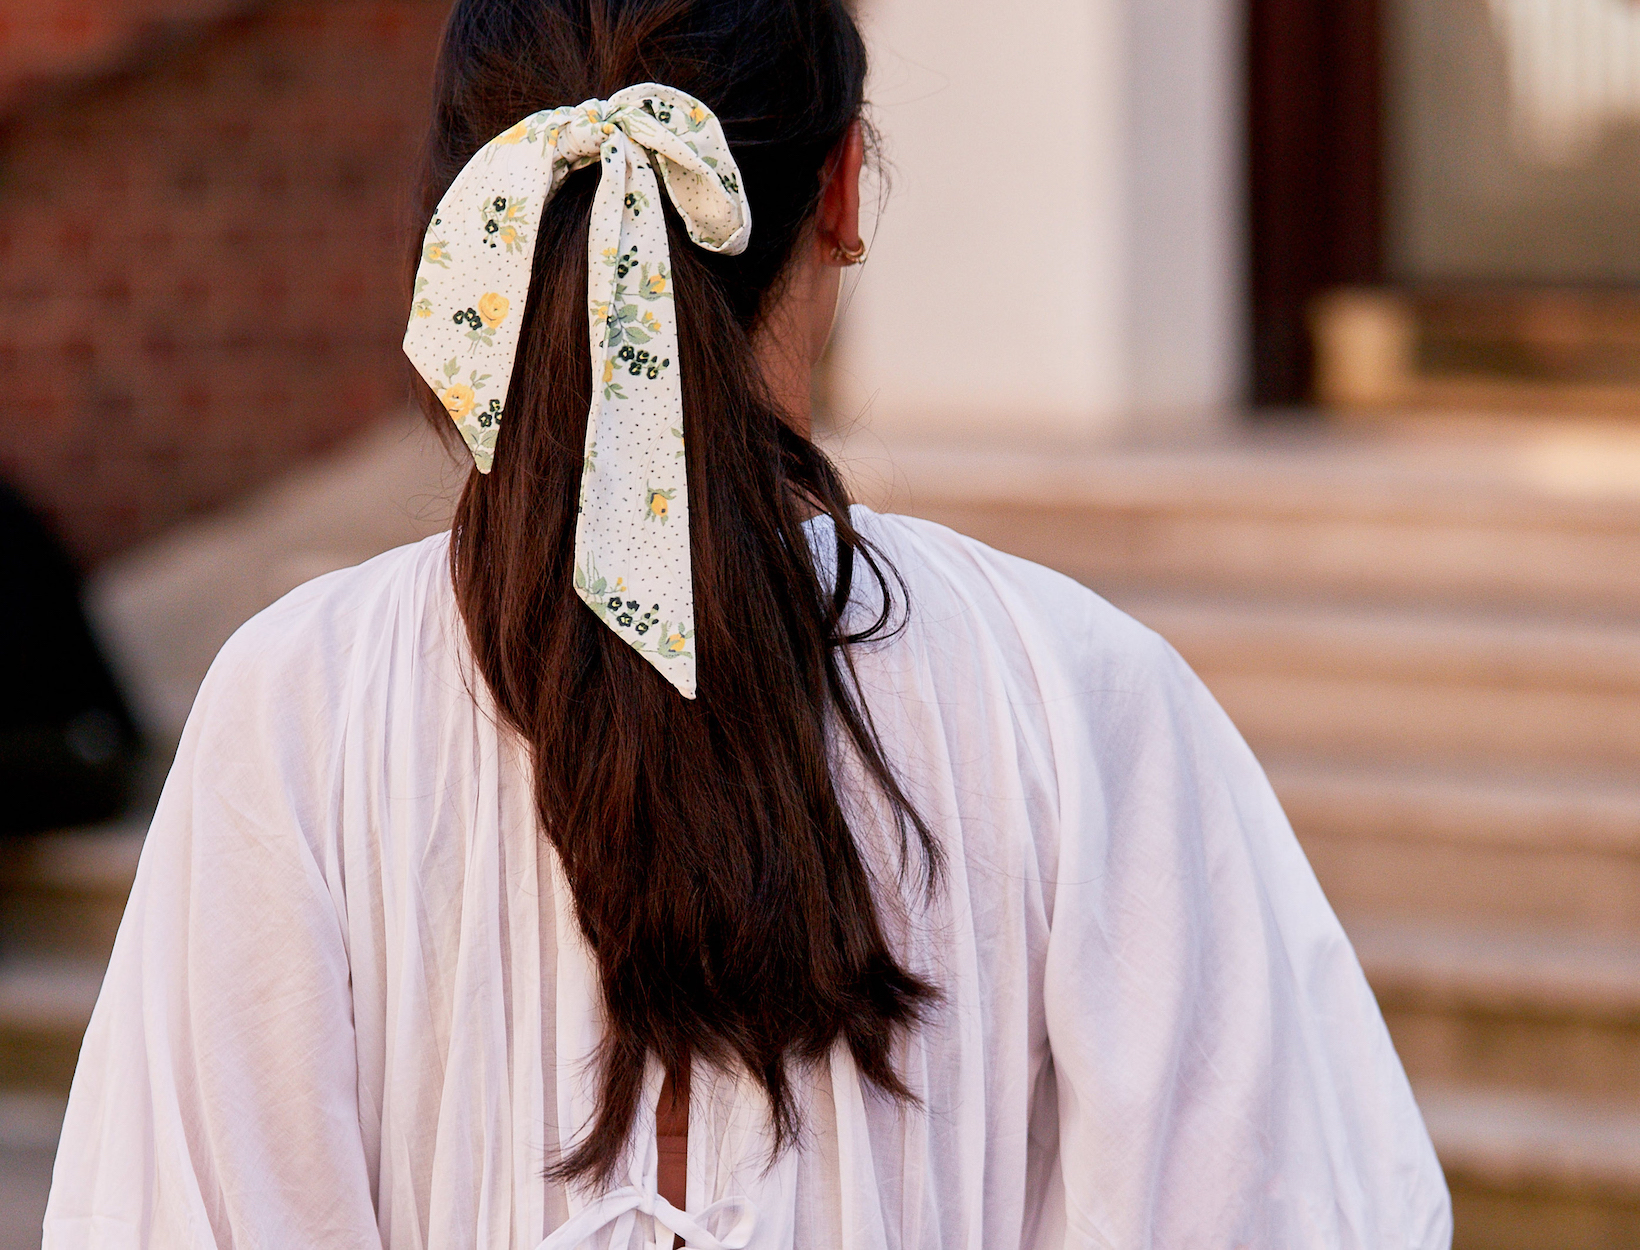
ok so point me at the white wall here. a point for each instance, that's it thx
(1059, 250)
(1185, 225)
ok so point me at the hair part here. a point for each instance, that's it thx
(713, 870)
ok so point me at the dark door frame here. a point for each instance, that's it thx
(1315, 174)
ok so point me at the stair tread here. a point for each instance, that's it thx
(1324, 473)
(97, 859)
(54, 993)
(1404, 642)
(1543, 519)
(1564, 809)
(1510, 1139)
(31, 1120)
(1499, 968)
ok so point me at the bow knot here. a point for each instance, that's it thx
(632, 559)
(621, 1207)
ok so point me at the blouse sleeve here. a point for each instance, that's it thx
(215, 1103)
(1224, 1075)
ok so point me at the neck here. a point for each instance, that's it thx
(793, 336)
(789, 377)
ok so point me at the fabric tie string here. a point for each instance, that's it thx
(632, 565)
(621, 1207)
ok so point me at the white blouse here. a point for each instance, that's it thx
(349, 1006)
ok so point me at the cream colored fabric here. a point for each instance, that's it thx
(632, 532)
(349, 1006)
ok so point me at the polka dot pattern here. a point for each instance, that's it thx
(632, 533)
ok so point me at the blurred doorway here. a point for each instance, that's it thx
(1314, 174)
(1446, 203)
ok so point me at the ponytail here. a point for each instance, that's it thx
(714, 874)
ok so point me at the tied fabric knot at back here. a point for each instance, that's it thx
(632, 566)
(621, 1207)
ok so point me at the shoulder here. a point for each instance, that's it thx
(304, 646)
(960, 592)
(338, 604)
(264, 752)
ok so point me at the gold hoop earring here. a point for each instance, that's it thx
(855, 255)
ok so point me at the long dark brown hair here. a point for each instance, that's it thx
(714, 873)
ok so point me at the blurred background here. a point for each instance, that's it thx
(1308, 331)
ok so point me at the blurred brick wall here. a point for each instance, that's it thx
(46, 41)
(201, 259)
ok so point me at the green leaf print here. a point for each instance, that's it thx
(625, 323)
(592, 586)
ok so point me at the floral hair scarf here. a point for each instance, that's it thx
(632, 531)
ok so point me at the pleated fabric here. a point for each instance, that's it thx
(349, 1006)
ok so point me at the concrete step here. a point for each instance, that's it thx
(25, 1182)
(1412, 684)
(64, 893)
(1421, 843)
(1506, 1007)
(29, 1127)
(1546, 517)
(1536, 1172)
(31, 1120)
(45, 1005)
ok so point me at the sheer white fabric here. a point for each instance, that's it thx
(349, 1007)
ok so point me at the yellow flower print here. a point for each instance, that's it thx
(552, 133)
(492, 309)
(653, 282)
(515, 135)
(509, 236)
(458, 401)
(674, 643)
(436, 253)
(612, 388)
(592, 115)
(610, 254)
(515, 208)
(651, 322)
(423, 308)
(697, 115)
(459, 398)
(656, 503)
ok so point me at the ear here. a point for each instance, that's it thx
(839, 220)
